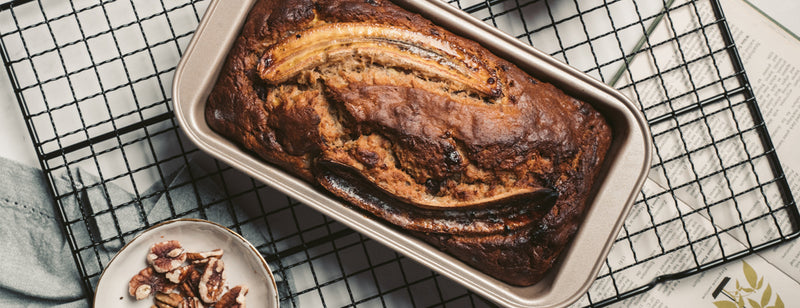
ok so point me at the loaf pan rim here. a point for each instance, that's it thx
(189, 116)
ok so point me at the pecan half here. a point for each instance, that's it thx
(216, 253)
(233, 299)
(212, 281)
(188, 287)
(200, 265)
(168, 300)
(166, 256)
(192, 302)
(147, 282)
(179, 274)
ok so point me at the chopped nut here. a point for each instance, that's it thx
(147, 282)
(194, 256)
(166, 256)
(233, 299)
(168, 300)
(192, 302)
(212, 281)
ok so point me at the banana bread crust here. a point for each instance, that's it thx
(417, 126)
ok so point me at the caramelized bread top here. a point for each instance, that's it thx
(430, 118)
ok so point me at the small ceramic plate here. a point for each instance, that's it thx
(243, 264)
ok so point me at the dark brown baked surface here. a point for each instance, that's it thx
(415, 125)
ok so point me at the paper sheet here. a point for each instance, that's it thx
(775, 75)
(782, 12)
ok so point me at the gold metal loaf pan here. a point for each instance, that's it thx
(622, 175)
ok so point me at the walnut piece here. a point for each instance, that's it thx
(233, 299)
(194, 256)
(147, 282)
(166, 256)
(192, 302)
(212, 281)
(168, 300)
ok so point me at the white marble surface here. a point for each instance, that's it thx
(14, 138)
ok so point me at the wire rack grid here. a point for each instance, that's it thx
(93, 81)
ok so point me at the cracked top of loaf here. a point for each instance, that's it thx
(420, 127)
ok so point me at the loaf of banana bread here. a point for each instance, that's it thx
(415, 126)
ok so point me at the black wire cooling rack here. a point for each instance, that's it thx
(93, 81)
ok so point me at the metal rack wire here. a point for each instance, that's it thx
(93, 80)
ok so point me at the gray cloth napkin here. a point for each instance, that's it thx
(37, 266)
